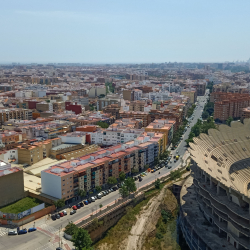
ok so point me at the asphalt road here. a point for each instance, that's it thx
(40, 241)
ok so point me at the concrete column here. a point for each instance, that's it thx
(218, 188)
(211, 183)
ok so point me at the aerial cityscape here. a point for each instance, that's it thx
(124, 126)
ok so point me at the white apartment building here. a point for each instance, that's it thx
(76, 137)
(114, 136)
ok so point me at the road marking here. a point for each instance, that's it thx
(48, 230)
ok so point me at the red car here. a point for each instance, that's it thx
(61, 214)
(74, 207)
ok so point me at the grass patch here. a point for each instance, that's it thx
(21, 205)
(121, 230)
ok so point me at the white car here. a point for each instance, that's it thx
(64, 212)
(12, 232)
(92, 199)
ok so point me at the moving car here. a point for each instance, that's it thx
(12, 232)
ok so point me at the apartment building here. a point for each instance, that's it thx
(97, 91)
(137, 106)
(127, 123)
(112, 109)
(201, 88)
(245, 113)
(114, 136)
(230, 105)
(174, 114)
(163, 126)
(17, 114)
(192, 94)
(76, 137)
(11, 184)
(65, 179)
(44, 106)
(104, 102)
(144, 116)
(10, 139)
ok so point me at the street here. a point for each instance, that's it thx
(43, 239)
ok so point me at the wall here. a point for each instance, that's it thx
(31, 217)
(110, 216)
(51, 185)
(11, 188)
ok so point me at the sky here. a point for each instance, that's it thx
(124, 31)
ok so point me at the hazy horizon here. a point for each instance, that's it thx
(124, 32)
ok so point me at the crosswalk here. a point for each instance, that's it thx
(49, 230)
(3, 231)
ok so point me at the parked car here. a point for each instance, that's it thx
(115, 188)
(89, 200)
(140, 179)
(53, 217)
(104, 193)
(61, 214)
(74, 207)
(23, 231)
(93, 199)
(99, 196)
(136, 178)
(65, 212)
(81, 204)
(31, 229)
(72, 212)
(111, 190)
(12, 232)
(86, 202)
(78, 206)
(59, 248)
(58, 216)
(169, 167)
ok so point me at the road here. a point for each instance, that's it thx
(41, 239)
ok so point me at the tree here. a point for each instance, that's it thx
(59, 203)
(123, 191)
(122, 176)
(71, 228)
(229, 120)
(157, 183)
(112, 180)
(129, 184)
(81, 192)
(205, 115)
(98, 188)
(102, 124)
(81, 239)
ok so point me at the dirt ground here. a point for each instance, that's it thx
(146, 221)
